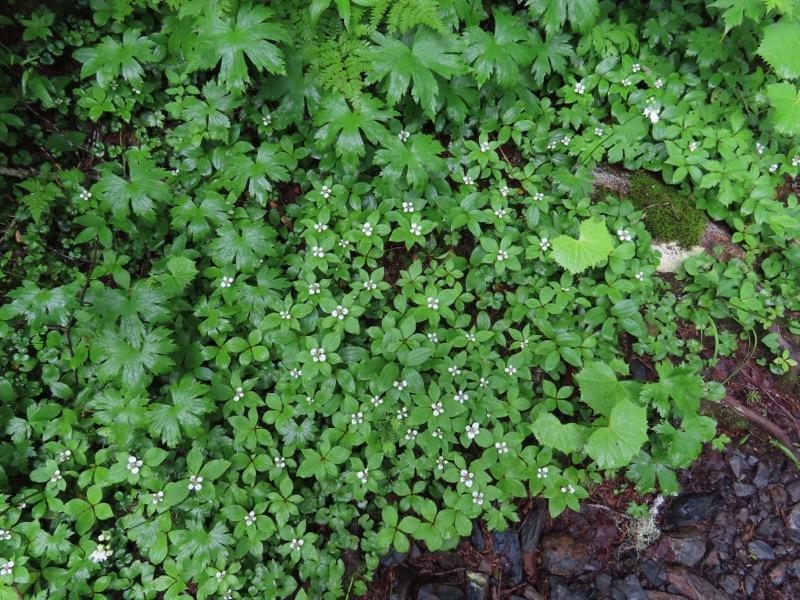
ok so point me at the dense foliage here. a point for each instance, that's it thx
(290, 279)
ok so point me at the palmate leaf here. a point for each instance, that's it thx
(257, 175)
(616, 445)
(344, 126)
(401, 66)
(212, 112)
(189, 403)
(785, 99)
(550, 54)
(42, 306)
(601, 390)
(735, 11)
(552, 14)
(132, 365)
(501, 54)
(418, 158)
(111, 58)
(590, 249)
(780, 47)
(139, 192)
(227, 40)
(243, 246)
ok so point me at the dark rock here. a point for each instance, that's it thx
(793, 518)
(394, 558)
(749, 585)
(690, 509)
(778, 495)
(761, 550)
(638, 369)
(560, 591)
(477, 585)
(437, 591)
(753, 460)
(712, 559)
(761, 480)
(564, 555)
(447, 561)
(405, 577)
(743, 490)
(656, 595)
(531, 594)
(768, 527)
(477, 537)
(778, 574)
(739, 466)
(654, 572)
(506, 544)
(629, 589)
(694, 587)
(685, 548)
(793, 489)
(729, 583)
(529, 535)
(742, 515)
(603, 581)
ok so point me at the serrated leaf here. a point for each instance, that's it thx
(600, 388)
(499, 55)
(592, 247)
(614, 446)
(780, 47)
(785, 99)
(551, 432)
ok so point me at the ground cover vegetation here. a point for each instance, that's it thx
(289, 280)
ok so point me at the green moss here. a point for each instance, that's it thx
(668, 216)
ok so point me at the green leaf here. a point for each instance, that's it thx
(419, 158)
(340, 124)
(500, 54)
(592, 247)
(139, 193)
(188, 404)
(780, 47)
(785, 99)
(552, 14)
(111, 58)
(600, 388)
(614, 446)
(551, 432)
(214, 468)
(132, 364)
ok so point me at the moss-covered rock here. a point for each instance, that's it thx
(668, 215)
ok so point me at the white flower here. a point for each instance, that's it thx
(56, 476)
(640, 276)
(579, 88)
(624, 235)
(466, 478)
(220, 575)
(296, 544)
(693, 146)
(295, 373)
(400, 384)
(564, 289)
(250, 518)
(637, 67)
(541, 472)
(280, 462)
(175, 172)
(411, 434)
(454, 370)
(477, 498)
(796, 161)
(317, 354)
(626, 82)
(370, 285)
(504, 191)
(343, 243)
(317, 252)
(473, 430)
(433, 337)
(760, 148)
(433, 303)
(226, 282)
(195, 483)
(441, 462)
(567, 139)
(471, 337)
(376, 400)
(544, 243)
(568, 490)
(326, 192)
(158, 497)
(408, 207)
(340, 312)
(485, 146)
(510, 370)
(461, 397)
(403, 135)
(7, 568)
(366, 229)
(402, 413)
(363, 475)
(437, 433)
(483, 382)
(416, 229)
(538, 196)
(659, 83)
(773, 167)
(652, 113)
(313, 288)
(357, 418)
(524, 343)
(437, 408)
(238, 395)
(467, 180)
(5, 535)
(100, 554)
(134, 464)
(500, 213)
(321, 226)
(309, 400)
(502, 447)
(228, 595)
(502, 255)
(85, 195)
(65, 455)
(552, 144)
(267, 120)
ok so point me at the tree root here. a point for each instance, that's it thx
(753, 417)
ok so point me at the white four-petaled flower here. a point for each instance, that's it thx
(221, 575)
(408, 207)
(500, 213)
(438, 433)
(85, 195)
(504, 191)
(226, 282)
(461, 397)
(238, 395)
(370, 285)
(477, 498)
(773, 167)
(510, 370)
(158, 497)
(626, 82)
(433, 337)
(466, 478)
(296, 544)
(624, 235)
(403, 135)
(326, 192)
(693, 146)
(640, 276)
(295, 373)
(134, 464)
(320, 226)
(357, 418)
(363, 475)
(796, 161)
(317, 252)
(473, 430)
(55, 476)
(100, 554)
(402, 413)
(598, 131)
(400, 383)
(568, 489)
(538, 196)
(416, 229)
(376, 400)
(340, 312)
(467, 180)
(579, 88)
(471, 337)
(317, 354)
(267, 120)
(195, 483)
(502, 255)
(7, 568)
(5, 534)
(438, 409)
(502, 447)
(454, 370)
(313, 288)
(485, 146)
(366, 229)
(64, 456)
(411, 434)
(279, 461)
(250, 518)
(544, 244)
(441, 462)
(541, 472)
(433, 303)
(760, 147)
(637, 67)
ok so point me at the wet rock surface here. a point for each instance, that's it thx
(716, 543)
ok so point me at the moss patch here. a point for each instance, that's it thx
(668, 216)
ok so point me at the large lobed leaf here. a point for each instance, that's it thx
(592, 247)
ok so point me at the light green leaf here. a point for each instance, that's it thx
(614, 446)
(550, 432)
(785, 99)
(780, 47)
(592, 247)
(600, 388)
